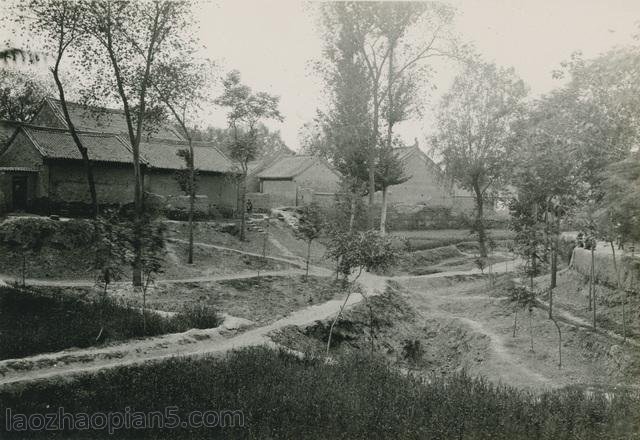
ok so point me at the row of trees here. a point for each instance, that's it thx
(142, 56)
(375, 67)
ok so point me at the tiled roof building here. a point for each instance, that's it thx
(40, 165)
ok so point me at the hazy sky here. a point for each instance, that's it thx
(273, 42)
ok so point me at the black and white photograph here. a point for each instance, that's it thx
(289, 219)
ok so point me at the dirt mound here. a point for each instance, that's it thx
(52, 248)
(387, 324)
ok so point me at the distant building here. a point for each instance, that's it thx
(97, 119)
(427, 184)
(41, 167)
(296, 180)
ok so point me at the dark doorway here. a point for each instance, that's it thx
(19, 191)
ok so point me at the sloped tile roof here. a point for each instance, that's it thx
(105, 119)
(7, 129)
(163, 155)
(287, 167)
(58, 144)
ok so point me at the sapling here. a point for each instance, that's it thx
(310, 225)
(358, 252)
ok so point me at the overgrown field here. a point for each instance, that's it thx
(209, 261)
(445, 258)
(430, 239)
(260, 299)
(32, 323)
(64, 248)
(357, 397)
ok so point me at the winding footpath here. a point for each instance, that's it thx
(232, 334)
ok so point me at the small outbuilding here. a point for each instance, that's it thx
(297, 180)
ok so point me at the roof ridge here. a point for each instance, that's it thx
(66, 130)
(88, 106)
(33, 141)
(56, 110)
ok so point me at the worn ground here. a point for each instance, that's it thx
(443, 325)
(442, 321)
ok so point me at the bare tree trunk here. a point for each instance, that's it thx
(76, 139)
(554, 256)
(480, 221)
(306, 276)
(352, 215)
(24, 269)
(383, 213)
(559, 342)
(531, 326)
(591, 280)
(192, 198)
(533, 271)
(340, 312)
(336, 320)
(372, 152)
(243, 207)
(624, 294)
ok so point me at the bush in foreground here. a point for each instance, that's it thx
(282, 396)
(33, 323)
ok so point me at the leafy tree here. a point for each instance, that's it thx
(133, 38)
(604, 95)
(59, 22)
(621, 187)
(389, 171)
(379, 35)
(181, 84)
(546, 167)
(111, 253)
(21, 94)
(270, 142)
(27, 239)
(111, 248)
(246, 110)
(342, 134)
(17, 54)
(310, 225)
(153, 252)
(476, 130)
(359, 251)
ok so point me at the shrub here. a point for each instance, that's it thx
(198, 316)
(33, 323)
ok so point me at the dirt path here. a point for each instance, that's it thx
(508, 359)
(190, 343)
(497, 268)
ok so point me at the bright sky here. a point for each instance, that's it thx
(272, 44)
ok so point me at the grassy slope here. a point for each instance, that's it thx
(260, 299)
(355, 398)
(572, 294)
(33, 323)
